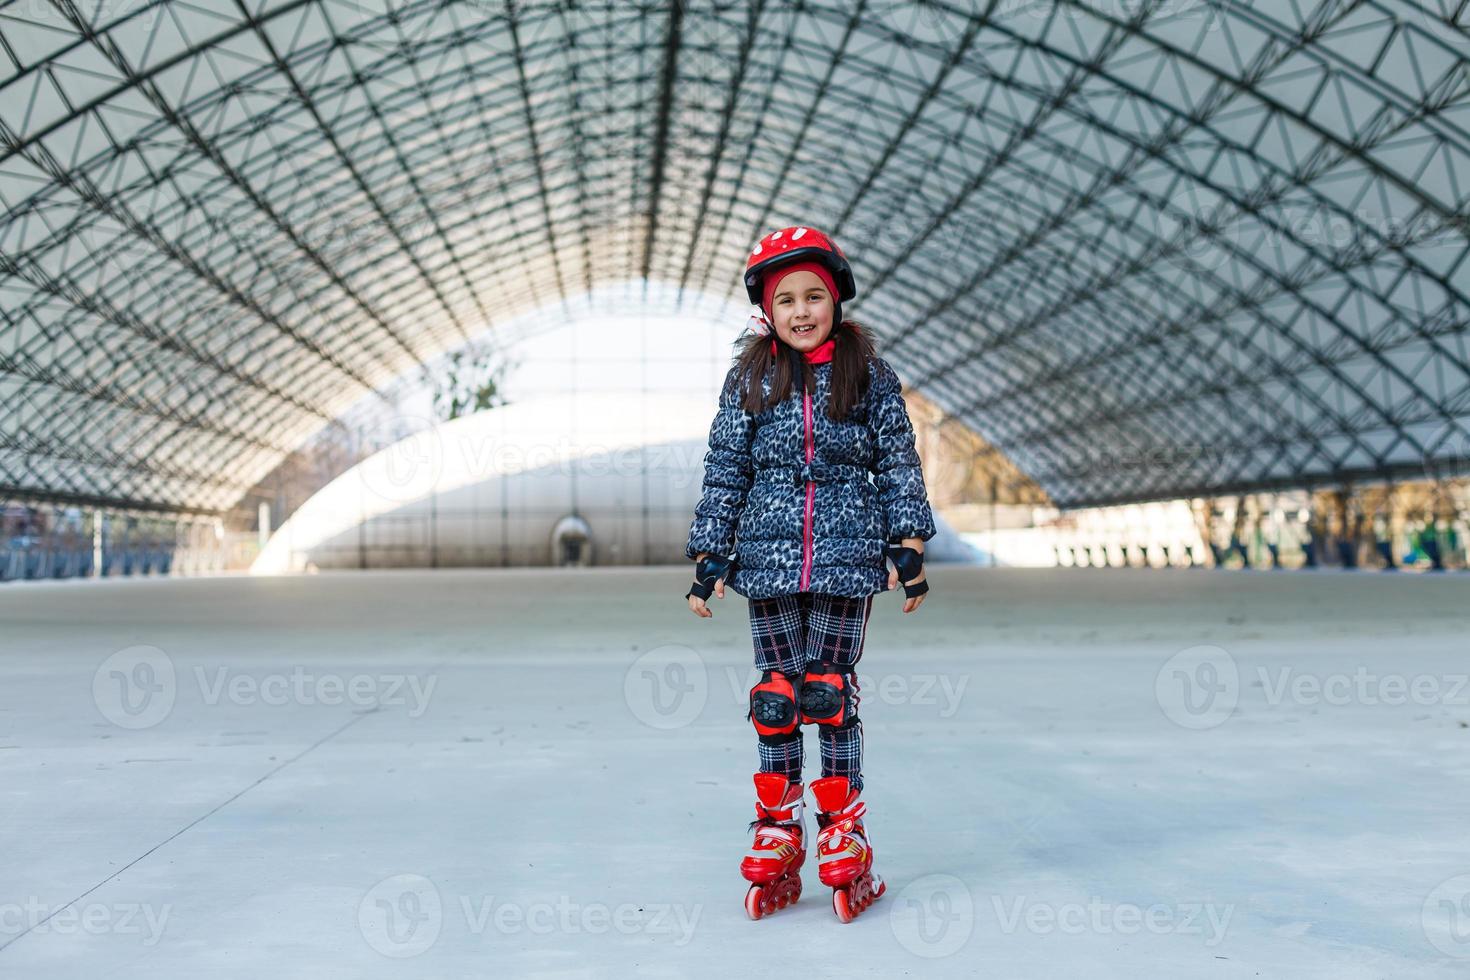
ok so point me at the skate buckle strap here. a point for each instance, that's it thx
(791, 813)
(778, 833)
(844, 819)
(774, 818)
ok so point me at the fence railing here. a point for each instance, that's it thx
(67, 543)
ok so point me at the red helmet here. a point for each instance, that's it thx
(797, 244)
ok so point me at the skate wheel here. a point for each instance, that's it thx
(848, 901)
(753, 902)
(840, 905)
(763, 898)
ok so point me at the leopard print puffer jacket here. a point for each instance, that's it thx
(811, 526)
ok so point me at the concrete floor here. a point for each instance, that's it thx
(1071, 773)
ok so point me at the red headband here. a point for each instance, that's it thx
(774, 279)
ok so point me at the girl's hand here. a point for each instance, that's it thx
(909, 605)
(696, 604)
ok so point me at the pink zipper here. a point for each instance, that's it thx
(811, 492)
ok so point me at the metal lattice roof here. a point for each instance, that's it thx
(1144, 250)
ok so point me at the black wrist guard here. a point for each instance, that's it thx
(710, 568)
(910, 563)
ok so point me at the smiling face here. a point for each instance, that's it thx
(802, 310)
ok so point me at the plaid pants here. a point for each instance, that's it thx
(791, 632)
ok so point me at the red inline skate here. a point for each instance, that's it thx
(773, 864)
(844, 856)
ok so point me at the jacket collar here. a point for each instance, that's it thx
(822, 353)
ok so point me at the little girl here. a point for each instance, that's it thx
(807, 414)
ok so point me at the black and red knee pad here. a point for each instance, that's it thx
(773, 707)
(826, 694)
(829, 695)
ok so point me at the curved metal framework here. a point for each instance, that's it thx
(1145, 250)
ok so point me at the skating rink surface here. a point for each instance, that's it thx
(507, 773)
